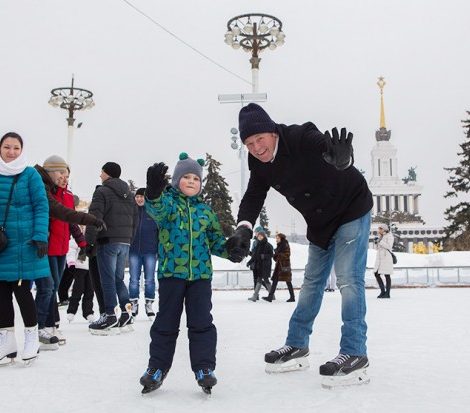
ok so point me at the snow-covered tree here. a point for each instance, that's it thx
(458, 216)
(216, 194)
(264, 220)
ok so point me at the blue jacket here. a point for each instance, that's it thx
(145, 240)
(28, 219)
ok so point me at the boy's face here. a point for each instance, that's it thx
(190, 184)
(140, 200)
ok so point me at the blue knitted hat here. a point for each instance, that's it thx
(253, 119)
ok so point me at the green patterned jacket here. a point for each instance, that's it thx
(189, 232)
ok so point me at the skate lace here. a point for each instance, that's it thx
(284, 349)
(340, 359)
(101, 319)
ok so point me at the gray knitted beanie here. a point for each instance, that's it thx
(184, 166)
(55, 163)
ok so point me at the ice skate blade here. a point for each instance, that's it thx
(126, 329)
(355, 378)
(30, 362)
(114, 331)
(62, 342)
(8, 360)
(151, 317)
(297, 364)
(49, 347)
(149, 389)
(207, 390)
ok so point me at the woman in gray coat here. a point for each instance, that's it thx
(383, 261)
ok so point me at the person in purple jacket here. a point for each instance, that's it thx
(143, 254)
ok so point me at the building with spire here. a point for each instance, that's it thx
(396, 200)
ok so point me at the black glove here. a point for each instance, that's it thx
(339, 150)
(90, 251)
(100, 225)
(238, 245)
(156, 180)
(41, 247)
(82, 254)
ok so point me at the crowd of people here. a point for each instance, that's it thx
(43, 234)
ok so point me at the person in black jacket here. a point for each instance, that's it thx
(262, 259)
(315, 173)
(114, 203)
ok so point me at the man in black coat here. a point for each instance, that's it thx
(114, 203)
(315, 173)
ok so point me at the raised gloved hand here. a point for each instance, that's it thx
(100, 225)
(41, 246)
(156, 180)
(339, 150)
(90, 250)
(238, 245)
(82, 254)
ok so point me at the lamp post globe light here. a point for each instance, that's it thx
(254, 32)
(237, 145)
(71, 99)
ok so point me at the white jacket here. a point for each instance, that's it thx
(72, 256)
(383, 260)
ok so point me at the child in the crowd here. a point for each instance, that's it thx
(189, 232)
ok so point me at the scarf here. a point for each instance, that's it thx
(14, 167)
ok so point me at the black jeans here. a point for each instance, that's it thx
(96, 283)
(65, 284)
(202, 334)
(274, 286)
(25, 302)
(81, 286)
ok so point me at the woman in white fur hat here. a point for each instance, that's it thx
(383, 261)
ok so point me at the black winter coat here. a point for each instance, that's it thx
(262, 258)
(114, 203)
(327, 198)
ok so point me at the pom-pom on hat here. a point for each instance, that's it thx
(253, 119)
(112, 169)
(55, 163)
(186, 165)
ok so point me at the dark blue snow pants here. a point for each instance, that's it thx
(202, 334)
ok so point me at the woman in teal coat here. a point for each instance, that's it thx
(25, 256)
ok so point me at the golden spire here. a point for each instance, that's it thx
(381, 83)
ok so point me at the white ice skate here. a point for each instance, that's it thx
(149, 309)
(8, 349)
(31, 345)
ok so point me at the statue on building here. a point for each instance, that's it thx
(411, 175)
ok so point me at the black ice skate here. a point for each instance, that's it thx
(287, 358)
(152, 379)
(126, 320)
(344, 370)
(106, 325)
(206, 379)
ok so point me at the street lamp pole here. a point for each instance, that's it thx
(71, 99)
(253, 32)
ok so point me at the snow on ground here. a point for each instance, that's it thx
(419, 350)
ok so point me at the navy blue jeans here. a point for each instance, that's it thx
(136, 262)
(46, 289)
(348, 251)
(112, 263)
(202, 334)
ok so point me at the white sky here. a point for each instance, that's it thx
(155, 97)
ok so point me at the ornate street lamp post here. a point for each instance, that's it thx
(254, 32)
(71, 99)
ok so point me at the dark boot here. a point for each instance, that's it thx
(291, 292)
(388, 283)
(381, 285)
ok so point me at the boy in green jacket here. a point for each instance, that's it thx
(189, 233)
